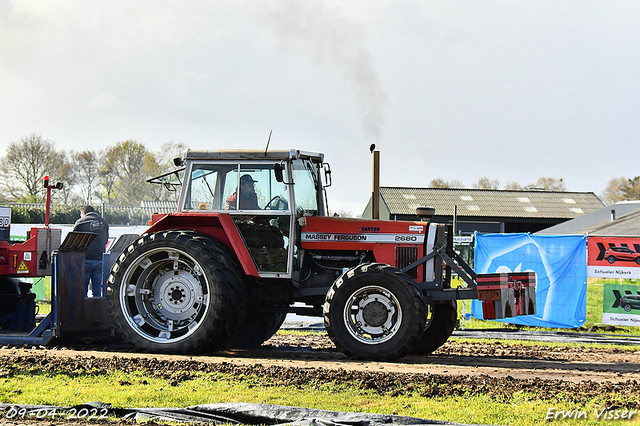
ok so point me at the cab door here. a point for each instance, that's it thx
(262, 213)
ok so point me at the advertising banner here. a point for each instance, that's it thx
(621, 305)
(614, 257)
(560, 264)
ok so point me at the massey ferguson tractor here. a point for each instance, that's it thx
(253, 241)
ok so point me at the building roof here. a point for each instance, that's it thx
(491, 203)
(617, 220)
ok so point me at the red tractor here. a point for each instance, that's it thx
(252, 241)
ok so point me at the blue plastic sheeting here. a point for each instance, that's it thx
(560, 263)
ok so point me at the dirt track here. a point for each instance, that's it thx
(484, 357)
(485, 367)
(481, 358)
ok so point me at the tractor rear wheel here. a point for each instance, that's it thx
(176, 292)
(375, 312)
(256, 329)
(441, 320)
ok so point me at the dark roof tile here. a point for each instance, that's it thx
(491, 203)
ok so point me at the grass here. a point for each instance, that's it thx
(621, 348)
(128, 390)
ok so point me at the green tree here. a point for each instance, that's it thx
(65, 173)
(107, 177)
(514, 185)
(441, 183)
(614, 190)
(549, 184)
(124, 172)
(164, 158)
(87, 169)
(169, 151)
(25, 165)
(631, 189)
(486, 183)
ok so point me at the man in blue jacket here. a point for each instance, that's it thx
(90, 221)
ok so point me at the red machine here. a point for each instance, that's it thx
(224, 273)
(18, 260)
(42, 254)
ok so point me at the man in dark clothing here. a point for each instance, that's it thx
(248, 197)
(90, 221)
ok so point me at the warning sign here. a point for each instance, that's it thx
(22, 269)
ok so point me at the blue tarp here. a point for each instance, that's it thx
(560, 263)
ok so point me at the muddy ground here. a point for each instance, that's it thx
(481, 367)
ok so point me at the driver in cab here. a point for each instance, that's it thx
(248, 197)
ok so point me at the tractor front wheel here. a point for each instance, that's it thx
(375, 312)
(176, 292)
(256, 329)
(441, 320)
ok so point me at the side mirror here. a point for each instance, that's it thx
(327, 174)
(278, 169)
(178, 162)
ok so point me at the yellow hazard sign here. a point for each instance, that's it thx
(22, 269)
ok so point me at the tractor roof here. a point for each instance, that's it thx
(245, 154)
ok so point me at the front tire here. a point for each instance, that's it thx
(374, 312)
(627, 308)
(256, 329)
(611, 259)
(176, 292)
(441, 321)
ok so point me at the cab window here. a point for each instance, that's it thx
(305, 177)
(235, 187)
(254, 187)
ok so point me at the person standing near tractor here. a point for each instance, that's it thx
(90, 221)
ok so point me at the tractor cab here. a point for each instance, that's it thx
(263, 193)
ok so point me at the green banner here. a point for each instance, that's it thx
(621, 304)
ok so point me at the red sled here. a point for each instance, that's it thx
(506, 295)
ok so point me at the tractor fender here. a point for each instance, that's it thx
(220, 226)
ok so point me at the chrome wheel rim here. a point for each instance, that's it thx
(372, 315)
(164, 295)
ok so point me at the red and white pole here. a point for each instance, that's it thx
(48, 204)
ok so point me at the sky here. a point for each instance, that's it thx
(457, 90)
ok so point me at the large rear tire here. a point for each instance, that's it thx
(441, 321)
(375, 312)
(256, 329)
(176, 292)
